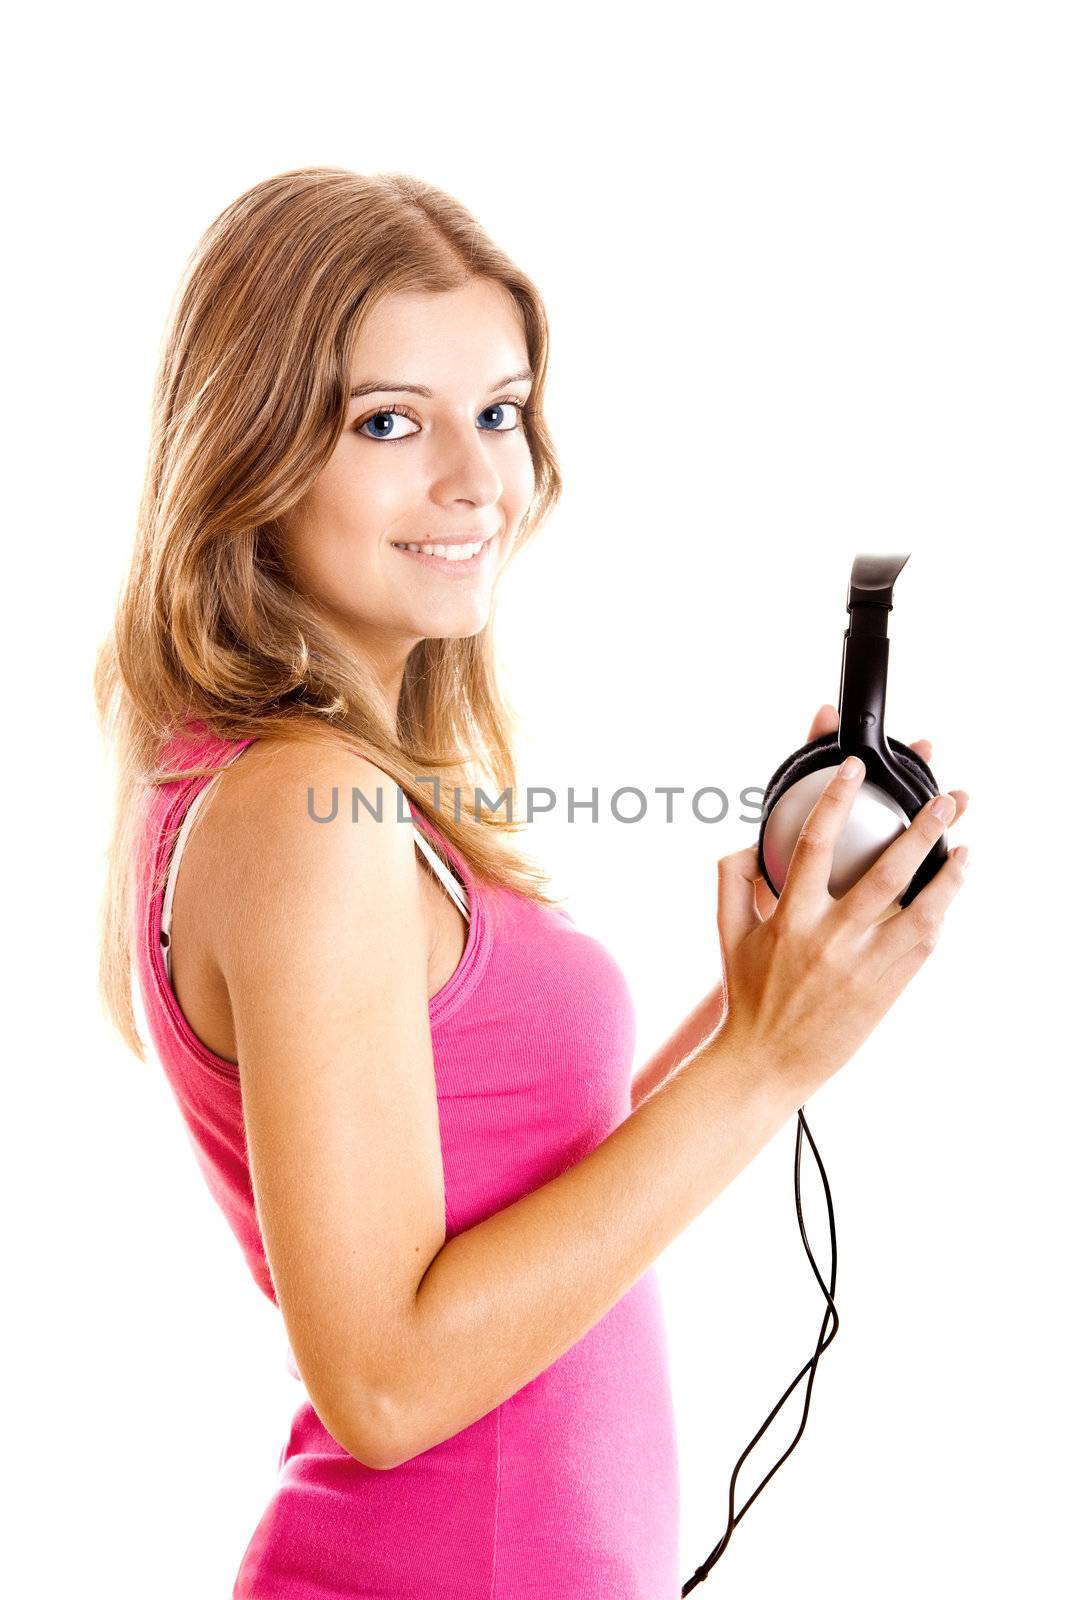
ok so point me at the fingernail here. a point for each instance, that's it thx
(943, 807)
(851, 768)
(960, 855)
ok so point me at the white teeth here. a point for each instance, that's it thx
(451, 552)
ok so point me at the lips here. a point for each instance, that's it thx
(452, 538)
(456, 566)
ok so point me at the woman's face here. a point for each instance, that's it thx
(415, 467)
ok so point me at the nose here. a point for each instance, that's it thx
(465, 468)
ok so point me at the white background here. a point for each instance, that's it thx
(805, 272)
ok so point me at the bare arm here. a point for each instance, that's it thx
(338, 1090)
(383, 1313)
(520, 1288)
(319, 937)
(501, 1302)
(696, 1030)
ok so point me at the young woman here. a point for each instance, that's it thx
(405, 1071)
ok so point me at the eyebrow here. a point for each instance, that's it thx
(380, 386)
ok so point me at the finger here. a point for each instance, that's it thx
(737, 914)
(824, 721)
(885, 881)
(766, 899)
(921, 920)
(961, 798)
(925, 750)
(808, 873)
(900, 974)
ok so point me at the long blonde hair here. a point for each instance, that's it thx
(249, 402)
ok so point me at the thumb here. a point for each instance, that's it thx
(738, 875)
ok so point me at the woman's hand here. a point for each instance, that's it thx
(826, 721)
(805, 986)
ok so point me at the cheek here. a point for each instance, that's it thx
(354, 498)
(380, 490)
(519, 482)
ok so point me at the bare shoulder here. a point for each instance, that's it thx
(276, 781)
(282, 840)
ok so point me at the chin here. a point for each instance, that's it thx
(464, 628)
(466, 615)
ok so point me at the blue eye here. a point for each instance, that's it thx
(384, 417)
(498, 409)
(502, 405)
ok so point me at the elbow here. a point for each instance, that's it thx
(374, 1438)
(360, 1427)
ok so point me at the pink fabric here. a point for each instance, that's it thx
(569, 1490)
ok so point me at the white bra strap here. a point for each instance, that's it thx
(451, 883)
(172, 870)
(176, 856)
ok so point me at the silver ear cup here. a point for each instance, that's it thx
(873, 822)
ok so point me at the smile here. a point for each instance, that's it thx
(455, 557)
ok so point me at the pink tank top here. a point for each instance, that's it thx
(569, 1489)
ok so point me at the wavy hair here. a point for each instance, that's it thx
(250, 399)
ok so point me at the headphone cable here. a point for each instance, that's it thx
(803, 1131)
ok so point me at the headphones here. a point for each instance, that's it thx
(896, 785)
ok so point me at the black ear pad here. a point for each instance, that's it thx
(826, 752)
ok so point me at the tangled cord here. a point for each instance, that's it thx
(803, 1131)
